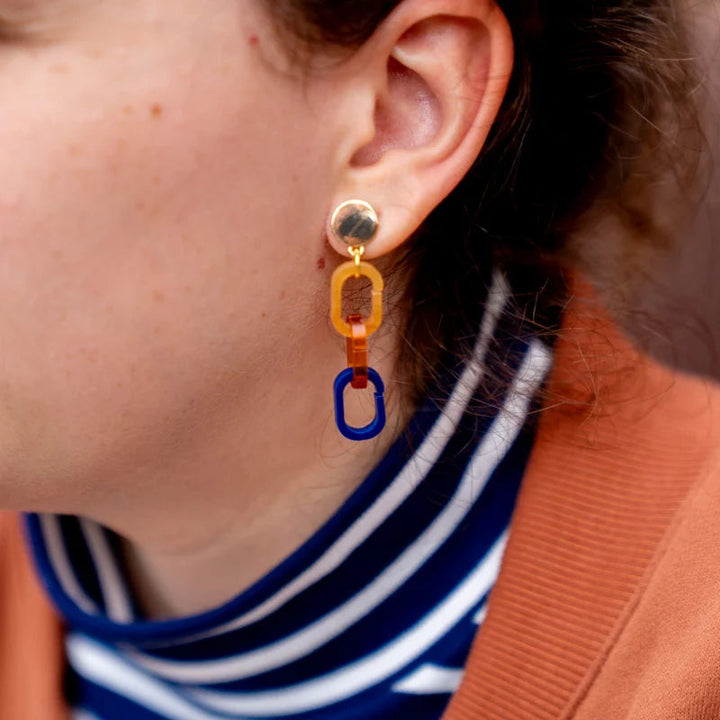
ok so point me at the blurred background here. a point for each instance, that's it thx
(677, 315)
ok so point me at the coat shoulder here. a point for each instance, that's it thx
(31, 654)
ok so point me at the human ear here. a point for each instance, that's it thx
(426, 89)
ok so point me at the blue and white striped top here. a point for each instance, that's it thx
(373, 617)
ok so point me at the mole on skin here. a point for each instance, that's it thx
(156, 110)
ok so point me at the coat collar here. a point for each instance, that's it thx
(618, 452)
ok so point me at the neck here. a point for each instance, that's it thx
(214, 516)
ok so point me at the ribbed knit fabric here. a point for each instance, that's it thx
(665, 661)
(586, 531)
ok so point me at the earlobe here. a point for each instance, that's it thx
(445, 67)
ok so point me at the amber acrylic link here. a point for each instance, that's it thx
(341, 275)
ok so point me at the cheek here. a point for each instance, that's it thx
(149, 253)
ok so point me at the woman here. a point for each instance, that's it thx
(175, 205)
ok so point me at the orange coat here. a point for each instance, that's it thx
(608, 601)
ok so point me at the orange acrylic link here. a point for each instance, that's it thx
(340, 277)
(357, 352)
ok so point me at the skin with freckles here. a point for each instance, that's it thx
(167, 175)
(135, 246)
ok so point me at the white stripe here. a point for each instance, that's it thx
(491, 450)
(375, 668)
(52, 536)
(430, 680)
(104, 668)
(101, 666)
(80, 714)
(117, 604)
(479, 618)
(402, 486)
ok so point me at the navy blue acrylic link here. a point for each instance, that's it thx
(376, 426)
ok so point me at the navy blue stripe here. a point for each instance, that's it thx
(485, 522)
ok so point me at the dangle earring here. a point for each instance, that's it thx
(355, 224)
